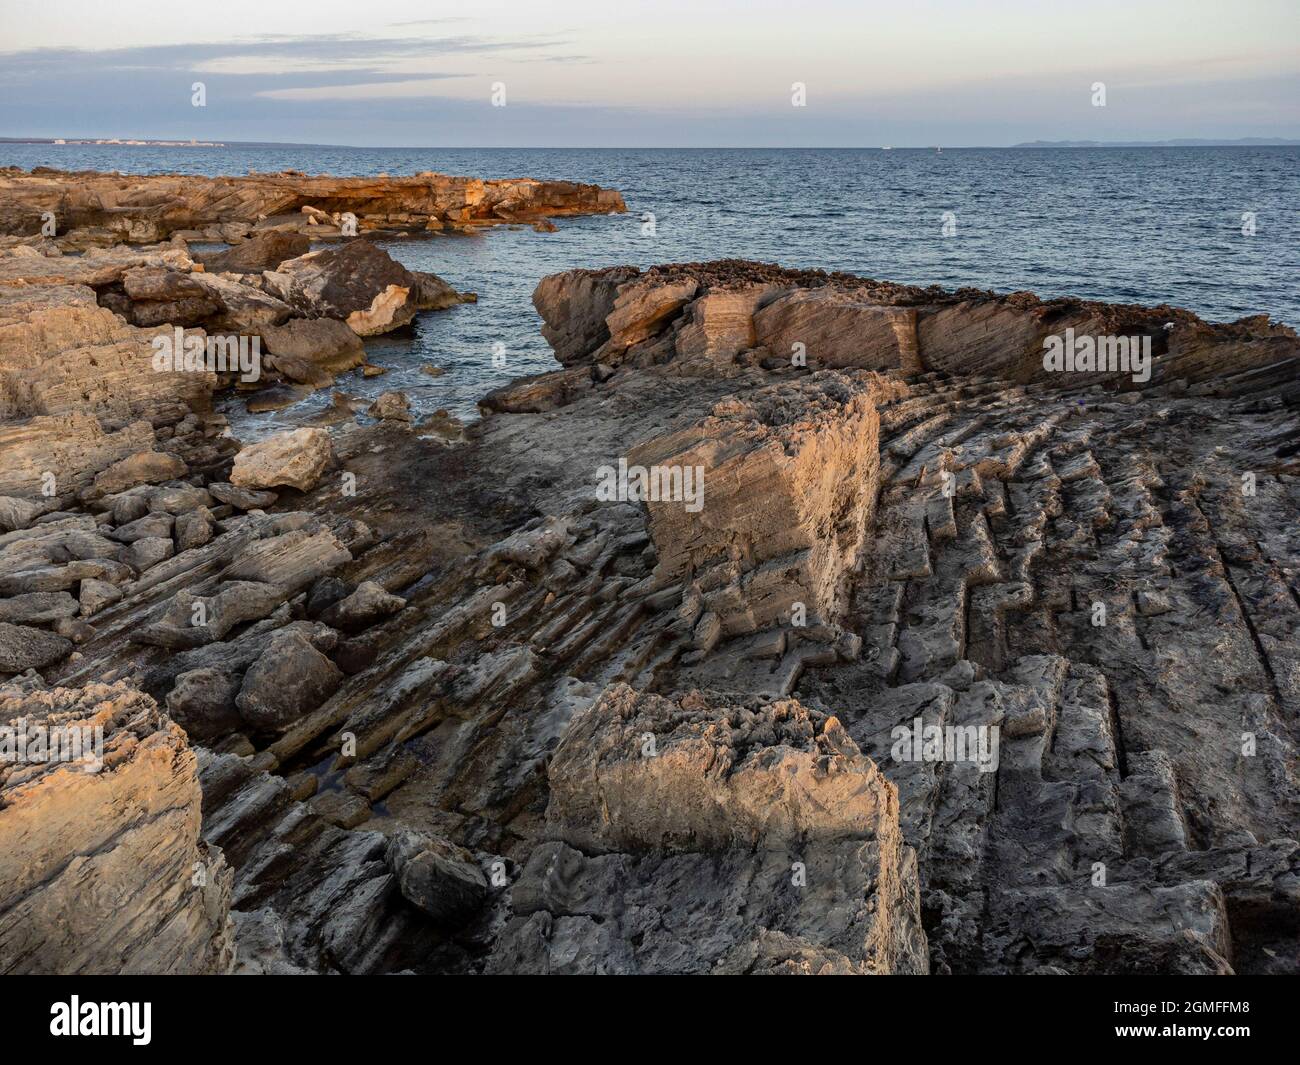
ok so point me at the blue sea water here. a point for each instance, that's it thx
(1129, 225)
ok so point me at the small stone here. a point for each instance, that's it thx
(23, 648)
(367, 604)
(97, 594)
(1150, 604)
(74, 629)
(37, 608)
(242, 498)
(391, 406)
(148, 552)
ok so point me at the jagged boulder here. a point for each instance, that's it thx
(289, 680)
(358, 283)
(294, 459)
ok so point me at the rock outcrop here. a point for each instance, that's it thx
(960, 664)
(102, 870)
(788, 837)
(91, 207)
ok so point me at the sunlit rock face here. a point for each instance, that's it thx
(101, 866)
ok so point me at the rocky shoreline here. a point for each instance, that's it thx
(423, 698)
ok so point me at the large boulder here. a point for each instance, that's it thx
(102, 870)
(23, 647)
(322, 343)
(295, 459)
(145, 467)
(436, 876)
(290, 679)
(262, 251)
(358, 283)
(785, 482)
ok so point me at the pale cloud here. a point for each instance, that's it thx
(702, 72)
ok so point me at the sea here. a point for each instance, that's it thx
(1212, 229)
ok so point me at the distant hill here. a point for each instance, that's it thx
(1184, 142)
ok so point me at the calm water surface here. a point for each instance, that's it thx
(1144, 225)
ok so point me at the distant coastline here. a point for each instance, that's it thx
(1184, 142)
(149, 142)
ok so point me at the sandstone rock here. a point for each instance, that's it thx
(147, 467)
(147, 552)
(178, 499)
(324, 342)
(294, 459)
(149, 208)
(358, 283)
(243, 308)
(241, 498)
(149, 525)
(789, 475)
(17, 513)
(574, 306)
(741, 791)
(183, 626)
(193, 529)
(95, 595)
(98, 869)
(366, 605)
(391, 406)
(74, 629)
(203, 704)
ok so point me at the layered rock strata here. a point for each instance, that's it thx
(94, 208)
(102, 869)
(483, 714)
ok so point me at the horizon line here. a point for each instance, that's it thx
(211, 141)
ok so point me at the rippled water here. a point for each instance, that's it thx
(1145, 225)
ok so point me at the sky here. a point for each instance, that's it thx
(651, 73)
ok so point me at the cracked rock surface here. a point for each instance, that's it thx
(526, 726)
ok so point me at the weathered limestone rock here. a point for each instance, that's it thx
(37, 608)
(695, 809)
(390, 406)
(364, 606)
(574, 307)
(722, 324)
(322, 342)
(437, 876)
(640, 311)
(289, 680)
(836, 329)
(145, 467)
(203, 704)
(710, 312)
(104, 871)
(241, 498)
(789, 480)
(946, 536)
(138, 208)
(294, 459)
